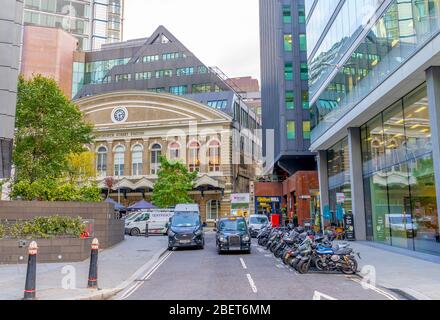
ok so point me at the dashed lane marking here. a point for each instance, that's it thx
(252, 283)
(243, 264)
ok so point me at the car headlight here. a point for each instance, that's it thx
(246, 238)
(222, 239)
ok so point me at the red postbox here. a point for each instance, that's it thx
(275, 220)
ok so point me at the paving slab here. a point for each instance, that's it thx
(117, 267)
(416, 275)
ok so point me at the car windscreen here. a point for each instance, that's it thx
(232, 225)
(185, 220)
(258, 220)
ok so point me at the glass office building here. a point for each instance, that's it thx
(92, 22)
(284, 86)
(374, 94)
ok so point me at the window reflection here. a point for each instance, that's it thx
(399, 187)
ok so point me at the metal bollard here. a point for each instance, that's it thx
(31, 274)
(146, 230)
(93, 270)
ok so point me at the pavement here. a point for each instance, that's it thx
(117, 267)
(415, 275)
(205, 275)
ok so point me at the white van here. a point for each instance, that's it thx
(157, 219)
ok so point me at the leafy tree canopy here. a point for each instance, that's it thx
(173, 184)
(49, 128)
(81, 167)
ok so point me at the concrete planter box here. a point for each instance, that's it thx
(49, 250)
(107, 229)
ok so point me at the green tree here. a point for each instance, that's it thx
(173, 184)
(49, 128)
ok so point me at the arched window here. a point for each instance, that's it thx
(137, 160)
(212, 209)
(119, 160)
(156, 151)
(194, 156)
(174, 151)
(101, 162)
(214, 156)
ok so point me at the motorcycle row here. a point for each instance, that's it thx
(305, 251)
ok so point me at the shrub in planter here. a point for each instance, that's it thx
(47, 227)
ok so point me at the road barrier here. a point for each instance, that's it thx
(31, 273)
(93, 270)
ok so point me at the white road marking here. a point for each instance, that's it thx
(252, 283)
(281, 266)
(371, 287)
(319, 295)
(243, 264)
(268, 255)
(147, 276)
(260, 249)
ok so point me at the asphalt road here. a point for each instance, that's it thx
(206, 275)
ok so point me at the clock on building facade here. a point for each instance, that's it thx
(119, 114)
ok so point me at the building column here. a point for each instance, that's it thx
(357, 185)
(127, 159)
(146, 158)
(323, 182)
(11, 18)
(433, 86)
(110, 168)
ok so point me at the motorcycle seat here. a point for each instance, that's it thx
(343, 251)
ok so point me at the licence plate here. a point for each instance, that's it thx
(185, 241)
(235, 248)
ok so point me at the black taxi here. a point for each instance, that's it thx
(233, 235)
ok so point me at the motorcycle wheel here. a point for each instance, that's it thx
(318, 265)
(294, 263)
(278, 253)
(303, 267)
(350, 269)
(289, 261)
(272, 247)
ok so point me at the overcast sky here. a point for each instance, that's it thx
(222, 33)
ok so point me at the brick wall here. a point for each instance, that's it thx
(49, 250)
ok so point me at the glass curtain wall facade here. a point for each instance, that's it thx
(398, 33)
(401, 208)
(338, 170)
(92, 22)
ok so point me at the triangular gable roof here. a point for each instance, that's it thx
(160, 31)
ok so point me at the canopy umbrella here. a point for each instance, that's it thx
(142, 205)
(118, 206)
